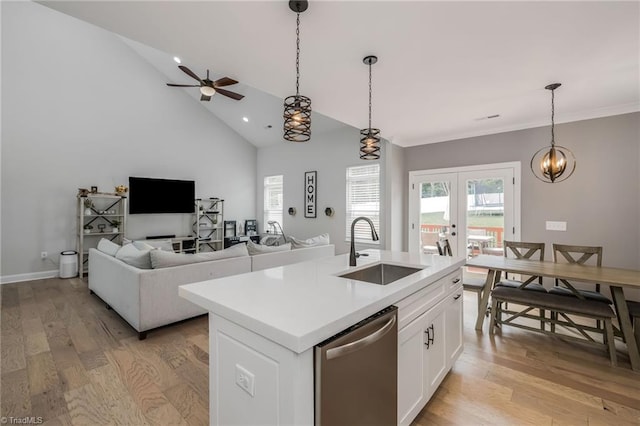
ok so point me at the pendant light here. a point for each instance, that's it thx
(370, 140)
(297, 109)
(553, 163)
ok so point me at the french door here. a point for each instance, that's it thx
(476, 208)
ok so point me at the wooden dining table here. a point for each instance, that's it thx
(615, 278)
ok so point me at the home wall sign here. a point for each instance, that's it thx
(310, 193)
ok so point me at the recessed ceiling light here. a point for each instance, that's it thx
(177, 60)
(245, 119)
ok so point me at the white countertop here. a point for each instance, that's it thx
(300, 305)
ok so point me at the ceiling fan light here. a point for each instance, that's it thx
(207, 90)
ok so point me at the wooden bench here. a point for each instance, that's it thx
(562, 308)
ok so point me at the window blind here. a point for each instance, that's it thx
(363, 199)
(273, 200)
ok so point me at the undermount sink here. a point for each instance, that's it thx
(382, 273)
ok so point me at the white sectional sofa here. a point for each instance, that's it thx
(148, 298)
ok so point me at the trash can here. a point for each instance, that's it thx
(68, 264)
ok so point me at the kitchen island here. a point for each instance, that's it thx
(263, 327)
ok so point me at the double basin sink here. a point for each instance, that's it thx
(381, 273)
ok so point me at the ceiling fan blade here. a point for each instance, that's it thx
(230, 94)
(205, 98)
(190, 73)
(183, 85)
(224, 81)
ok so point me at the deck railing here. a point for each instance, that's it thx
(494, 231)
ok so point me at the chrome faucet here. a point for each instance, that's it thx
(374, 236)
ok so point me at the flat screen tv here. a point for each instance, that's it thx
(148, 195)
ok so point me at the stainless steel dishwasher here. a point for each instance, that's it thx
(356, 374)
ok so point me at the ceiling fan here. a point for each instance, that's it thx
(208, 88)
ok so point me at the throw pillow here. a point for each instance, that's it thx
(163, 259)
(320, 240)
(260, 249)
(130, 255)
(165, 245)
(108, 247)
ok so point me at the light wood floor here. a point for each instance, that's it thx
(67, 359)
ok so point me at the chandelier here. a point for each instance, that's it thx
(553, 163)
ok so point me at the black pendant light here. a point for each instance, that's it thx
(370, 140)
(553, 163)
(297, 109)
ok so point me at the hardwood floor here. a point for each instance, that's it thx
(69, 360)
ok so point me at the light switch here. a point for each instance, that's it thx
(245, 379)
(556, 226)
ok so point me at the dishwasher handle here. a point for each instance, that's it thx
(360, 343)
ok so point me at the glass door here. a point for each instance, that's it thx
(487, 218)
(476, 208)
(434, 208)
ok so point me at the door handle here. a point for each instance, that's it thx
(456, 297)
(360, 343)
(456, 280)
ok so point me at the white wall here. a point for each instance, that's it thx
(394, 203)
(80, 108)
(329, 154)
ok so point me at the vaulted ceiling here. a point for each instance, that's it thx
(444, 67)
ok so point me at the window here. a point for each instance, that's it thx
(363, 199)
(273, 200)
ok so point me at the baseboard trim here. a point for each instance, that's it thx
(6, 279)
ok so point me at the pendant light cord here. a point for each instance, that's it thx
(298, 54)
(369, 96)
(553, 138)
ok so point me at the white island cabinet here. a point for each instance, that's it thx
(264, 325)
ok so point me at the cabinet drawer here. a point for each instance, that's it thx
(419, 302)
(454, 280)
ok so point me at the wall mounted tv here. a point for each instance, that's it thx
(148, 195)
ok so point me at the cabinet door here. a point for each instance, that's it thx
(454, 322)
(412, 392)
(435, 348)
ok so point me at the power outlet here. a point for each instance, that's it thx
(556, 226)
(43, 255)
(245, 380)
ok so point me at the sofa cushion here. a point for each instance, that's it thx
(260, 249)
(165, 245)
(163, 259)
(320, 240)
(108, 247)
(133, 256)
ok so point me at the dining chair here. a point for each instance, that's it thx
(587, 254)
(582, 255)
(429, 241)
(523, 250)
(474, 284)
(444, 248)
(634, 313)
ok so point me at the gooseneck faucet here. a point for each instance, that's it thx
(374, 236)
